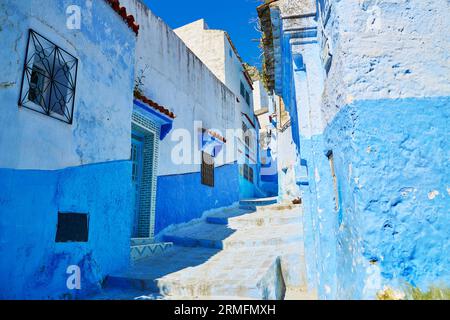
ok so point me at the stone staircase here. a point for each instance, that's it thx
(251, 251)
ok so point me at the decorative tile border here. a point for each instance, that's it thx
(143, 251)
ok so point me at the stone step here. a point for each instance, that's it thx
(201, 272)
(142, 274)
(207, 235)
(253, 203)
(235, 253)
(244, 218)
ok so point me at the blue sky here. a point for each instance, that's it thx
(237, 17)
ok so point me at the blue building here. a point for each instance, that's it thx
(199, 165)
(66, 93)
(367, 92)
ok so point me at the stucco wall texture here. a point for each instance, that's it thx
(383, 111)
(386, 109)
(102, 113)
(47, 166)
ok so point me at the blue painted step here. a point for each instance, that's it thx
(251, 204)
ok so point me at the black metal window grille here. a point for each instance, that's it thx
(49, 79)
(207, 169)
(248, 172)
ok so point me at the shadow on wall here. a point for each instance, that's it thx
(182, 198)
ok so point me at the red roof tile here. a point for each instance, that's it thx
(216, 135)
(154, 105)
(122, 11)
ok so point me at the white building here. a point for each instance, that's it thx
(217, 51)
(169, 74)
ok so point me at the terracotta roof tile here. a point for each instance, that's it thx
(154, 105)
(122, 11)
(216, 135)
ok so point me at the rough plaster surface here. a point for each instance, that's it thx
(103, 103)
(389, 219)
(383, 109)
(392, 49)
(33, 264)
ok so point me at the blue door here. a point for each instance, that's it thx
(137, 170)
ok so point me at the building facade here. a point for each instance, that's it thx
(197, 168)
(66, 91)
(217, 51)
(265, 111)
(369, 123)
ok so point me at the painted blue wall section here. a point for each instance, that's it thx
(33, 266)
(181, 198)
(391, 159)
(320, 218)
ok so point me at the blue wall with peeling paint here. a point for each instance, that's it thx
(391, 159)
(33, 265)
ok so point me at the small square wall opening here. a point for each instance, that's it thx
(72, 227)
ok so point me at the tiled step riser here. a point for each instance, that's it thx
(144, 251)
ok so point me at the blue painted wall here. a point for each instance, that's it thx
(33, 266)
(391, 159)
(181, 198)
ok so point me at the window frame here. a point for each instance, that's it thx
(207, 170)
(42, 53)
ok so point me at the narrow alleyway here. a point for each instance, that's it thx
(254, 251)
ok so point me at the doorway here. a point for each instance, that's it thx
(144, 159)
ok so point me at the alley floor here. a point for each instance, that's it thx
(251, 251)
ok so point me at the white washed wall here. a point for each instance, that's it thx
(102, 113)
(176, 78)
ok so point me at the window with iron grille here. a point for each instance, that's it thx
(207, 169)
(49, 79)
(248, 172)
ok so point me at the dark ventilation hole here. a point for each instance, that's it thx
(72, 227)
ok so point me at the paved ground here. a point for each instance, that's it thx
(251, 253)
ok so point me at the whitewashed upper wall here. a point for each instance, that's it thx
(216, 51)
(208, 45)
(260, 96)
(176, 78)
(387, 49)
(104, 48)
